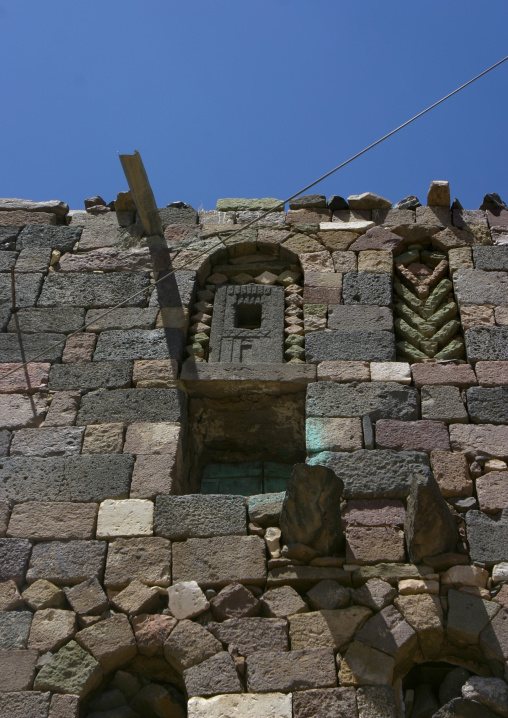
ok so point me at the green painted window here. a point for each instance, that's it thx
(245, 478)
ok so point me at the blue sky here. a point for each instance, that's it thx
(228, 98)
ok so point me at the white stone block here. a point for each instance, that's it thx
(356, 225)
(125, 517)
(399, 371)
(500, 572)
(242, 705)
(186, 600)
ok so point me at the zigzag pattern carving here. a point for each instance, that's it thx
(426, 326)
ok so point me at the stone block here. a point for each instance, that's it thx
(146, 559)
(73, 478)
(111, 642)
(200, 516)
(32, 378)
(241, 705)
(9, 596)
(488, 405)
(264, 509)
(5, 440)
(154, 475)
(176, 290)
(364, 666)
(17, 669)
(155, 373)
(32, 320)
(399, 372)
(451, 470)
(27, 286)
(387, 631)
(61, 238)
(325, 702)
(94, 290)
(71, 670)
(378, 512)
(47, 521)
(5, 511)
(50, 629)
(487, 537)
(290, 671)
(103, 439)
(491, 259)
(332, 629)
(467, 617)
(443, 403)
(14, 555)
(379, 239)
(14, 629)
(475, 286)
(106, 260)
(325, 434)
(22, 410)
(424, 614)
(487, 343)
(63, 409)
(492, 491)
(188, 644)
(380, 400)
(126, 517)
(79, 348)
(373, 544)
(44, 442)
(34, 259)
(215, 562)
(64, 706)
(337, 345)
(87, 597)
(343, 371)
(234, 601)
(491, 692)
(186, 600)
(367, 288)
(137, 598)
(375, 594)
(160, 438)
(43, 594)
(22, 347)
(251, 635)
(373, 474)
(151, 632)
(375, 261)
(494, 637)
(316, 261)
(476, 316)
(282, 602)
(323, 295)
(501, 316)
(133, 344)
(21, 704)
(302, 578)
(377, 702)
(461, 375)
(216, 675)
(123, 318)
(344, 262)
(67, 563)
(360, 317)
(131, 406)
(412, 435)
(492, 373)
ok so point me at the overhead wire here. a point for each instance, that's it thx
(276, 207)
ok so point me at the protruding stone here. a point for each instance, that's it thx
(368, 200)
(186, 600)
(111, 642)
(282, 602)
(234, 601)
(50, 629)
(252, 635)
(363, 665)
(71, 670)
(43, 594)
(189, 644)
(87, 597)
(439, 194)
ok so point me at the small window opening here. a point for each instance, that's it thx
(248, 316)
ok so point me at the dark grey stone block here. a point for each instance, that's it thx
(360, 317)
(369, 474)
(67, 562)
(467, 616)
(350, 345)
(491, 259)
(94, 290)
(140, 344)
(178, 215)
(5, 315)
(122, 318)
(175, 290)
(380, 400)
(14, 555)
(376, 702)
(443, 403)
(5, 440)
(248, 324)
(367, 288)
(27, 287)
(474, 286)
(291, 670)
(22, 704)
(487, 343)
(7, 260)
(14, 631)
(22, 347)
(199, 516)
(90, 477)
(252, 634)
(487, 536)
(61, 238)
(132, 405)
(35, 259)
(90, 375)
(8, 237)
(216, 675)
(57, 319)
(488, 405)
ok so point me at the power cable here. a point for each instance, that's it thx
(264, 214)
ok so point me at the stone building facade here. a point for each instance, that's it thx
(273, 482)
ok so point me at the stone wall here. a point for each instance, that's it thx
(125, 592)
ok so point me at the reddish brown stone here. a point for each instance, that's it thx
(498, 218)
(63, 409)
(502, 596)
(492, 373)
(33, 377)
(484, 439)
(18, 218)
(451, 472)
(461, 375)
(411, 435)
(374, 544)
(378, 512)
(179, 232)
(322, 295)
(377, 238)
(79, 347)
(151, 631)
(492, 491)
(308, 216)
(17, 669)
(234, 601)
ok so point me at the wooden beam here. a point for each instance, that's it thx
(142, 193)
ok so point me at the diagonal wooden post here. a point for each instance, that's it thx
(142, 193)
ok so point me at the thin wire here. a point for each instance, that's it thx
(262, 216)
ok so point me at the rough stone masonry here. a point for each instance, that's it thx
(348, 357)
